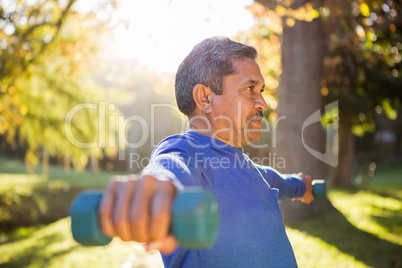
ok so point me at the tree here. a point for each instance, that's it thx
(48, 51)
(362, 71)
(360, 42)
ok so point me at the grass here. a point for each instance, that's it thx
(312, 251)
(34, 222)
(53, 246)
(77, 179)
(354, 247)
(387, 180)
(375, 214)
(364, 228)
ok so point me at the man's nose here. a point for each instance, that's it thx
(260, 103)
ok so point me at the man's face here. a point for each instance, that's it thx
(236, 114)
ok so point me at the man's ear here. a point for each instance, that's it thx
(202, 97)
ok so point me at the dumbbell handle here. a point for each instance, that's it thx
(319, 191)
(194, 219)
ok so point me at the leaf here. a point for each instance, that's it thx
(280, 11)
(315, 13)
(365, 10)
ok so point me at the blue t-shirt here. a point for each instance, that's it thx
(251, 231)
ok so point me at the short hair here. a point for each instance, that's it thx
(207, 64)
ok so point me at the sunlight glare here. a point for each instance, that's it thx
(160, 33)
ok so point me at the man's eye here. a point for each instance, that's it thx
(250, 88)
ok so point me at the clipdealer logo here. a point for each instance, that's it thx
(330, 156)
(112, 129)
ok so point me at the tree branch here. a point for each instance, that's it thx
(59, 24)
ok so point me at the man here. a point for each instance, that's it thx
(219, 87)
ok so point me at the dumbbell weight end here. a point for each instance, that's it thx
(319, 190)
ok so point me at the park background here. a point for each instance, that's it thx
(342, 58)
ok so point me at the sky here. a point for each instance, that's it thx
(160, 33)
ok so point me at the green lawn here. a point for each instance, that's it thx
(53, 246)
(73, 179)
(363, 230)
(351, 235)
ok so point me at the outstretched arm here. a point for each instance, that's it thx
(290, 186)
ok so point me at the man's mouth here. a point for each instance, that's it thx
(256, 119)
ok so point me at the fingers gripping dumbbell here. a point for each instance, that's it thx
(194, 223)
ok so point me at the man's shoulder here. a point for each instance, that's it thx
(183, 142)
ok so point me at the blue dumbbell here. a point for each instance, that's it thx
(319, 191)
(194, 224)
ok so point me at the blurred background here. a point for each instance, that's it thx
(87, 91)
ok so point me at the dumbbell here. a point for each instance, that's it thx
(319, 191)
(194, 223)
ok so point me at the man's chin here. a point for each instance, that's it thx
(253, 135)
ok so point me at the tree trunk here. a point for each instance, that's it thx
(67, 163)
(343, 173)
(45, 164)
(93, 164)
(299, 98)
(29, 165)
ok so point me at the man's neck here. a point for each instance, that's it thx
(216, 134)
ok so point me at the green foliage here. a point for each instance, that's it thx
(363, 65)
(362, 68)
(45, 71)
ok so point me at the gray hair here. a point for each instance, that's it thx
(207, 64)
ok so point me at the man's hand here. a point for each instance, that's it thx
(139, 210)
(308, 196)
